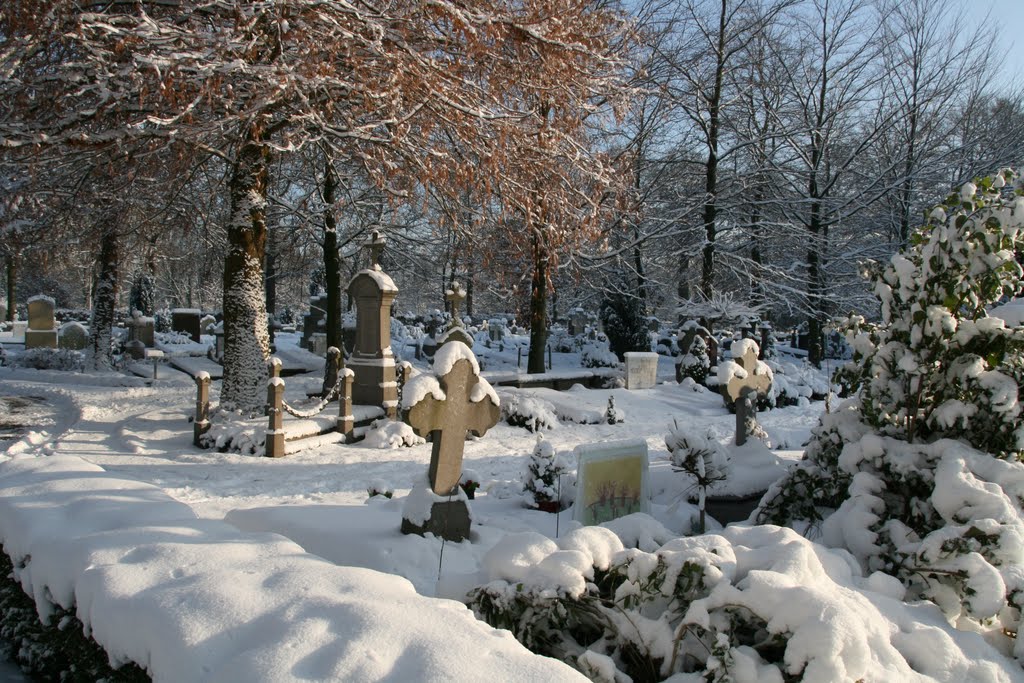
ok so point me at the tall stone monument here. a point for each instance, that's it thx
(372, 361)
(42, 328)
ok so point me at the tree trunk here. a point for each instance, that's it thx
(246, 341)
(332, 262)
(12, 282)
(332, 272)
(538, 305)
(710, 213)
(104, 304)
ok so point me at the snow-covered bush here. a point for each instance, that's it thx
(529, 412)
(597, 355)
(695, 362)
(700, 457)
(173, 337)
(795, 384)
(919, 475)
(541, 485)
(613, 415)
(385, 433)
(40, 358)
(625, 325)
(231, 432)
(749, 604)
(378, 487)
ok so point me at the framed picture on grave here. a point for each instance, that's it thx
(611, 480)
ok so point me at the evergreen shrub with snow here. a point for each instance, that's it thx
(41, 358)
(919, 475)
(541, 485)
(695, 362)
(749, 604)
(533, 414)
(597, 355)
(622, 317)
(700, 457)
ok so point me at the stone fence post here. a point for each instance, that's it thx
(346, 423)
(274, 442)
(202, 421)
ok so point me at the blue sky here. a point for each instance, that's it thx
(1008, 15)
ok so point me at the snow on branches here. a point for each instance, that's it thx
(919, 476)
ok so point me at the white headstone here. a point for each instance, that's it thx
(641, 369)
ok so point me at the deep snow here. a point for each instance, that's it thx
(181, 552)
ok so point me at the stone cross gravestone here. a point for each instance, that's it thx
(641, 369)
(744, 386)
(446, 405)
(141, 329)
(372, 360)
(42, 328)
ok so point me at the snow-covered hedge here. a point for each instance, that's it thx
(529, 412)
(749, 604)
(919, 475)
(42, 358)
(198, 600)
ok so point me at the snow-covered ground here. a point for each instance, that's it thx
(184, 531)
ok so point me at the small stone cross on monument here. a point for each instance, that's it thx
(375, 246)
(455, 296)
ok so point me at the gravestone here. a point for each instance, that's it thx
(18, 330)
(611, 480)
(744, 388)
(456, 332)
(73, 335)
(496, 329)
(641, 369)
(3, 313)
(468, 405)
(141, 329)
(186, 320)
(577, 321)
(372, 360)
(315, 320)
(42, 328)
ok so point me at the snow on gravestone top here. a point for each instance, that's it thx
(641, 369)
(461, 408)
(40, 313)
(745, 371)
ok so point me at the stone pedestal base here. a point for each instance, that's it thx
(448, 520)
(374, 383)
(35, 339)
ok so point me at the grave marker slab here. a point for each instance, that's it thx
(42, 328)
(186, 320)
(73, 335)
(611, 481)
(641, 369)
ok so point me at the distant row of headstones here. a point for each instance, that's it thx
(41, 329)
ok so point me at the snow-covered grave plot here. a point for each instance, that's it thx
(235, 567)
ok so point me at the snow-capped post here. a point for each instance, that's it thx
(202, 421)
(447, 404)
(346, 423)
(274, 443)
(747, 378)
(372, 360)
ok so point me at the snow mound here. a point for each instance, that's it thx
(192, 599)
